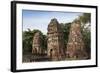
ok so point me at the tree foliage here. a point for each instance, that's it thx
(66, 29)
(87, 40)
(86, 18)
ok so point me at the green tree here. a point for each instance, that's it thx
(66, 29)
(44, 42)
(85, 18)
(87, 40)
(85, 29)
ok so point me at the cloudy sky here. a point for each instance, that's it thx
(40, 19)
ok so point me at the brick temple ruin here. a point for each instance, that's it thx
(37, 44)
(56, 48)
(75, 46)
(55, 43)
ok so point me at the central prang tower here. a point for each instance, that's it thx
(55, 42)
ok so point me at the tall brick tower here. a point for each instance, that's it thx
(75, 45)
(36, 46)
(55, 42)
